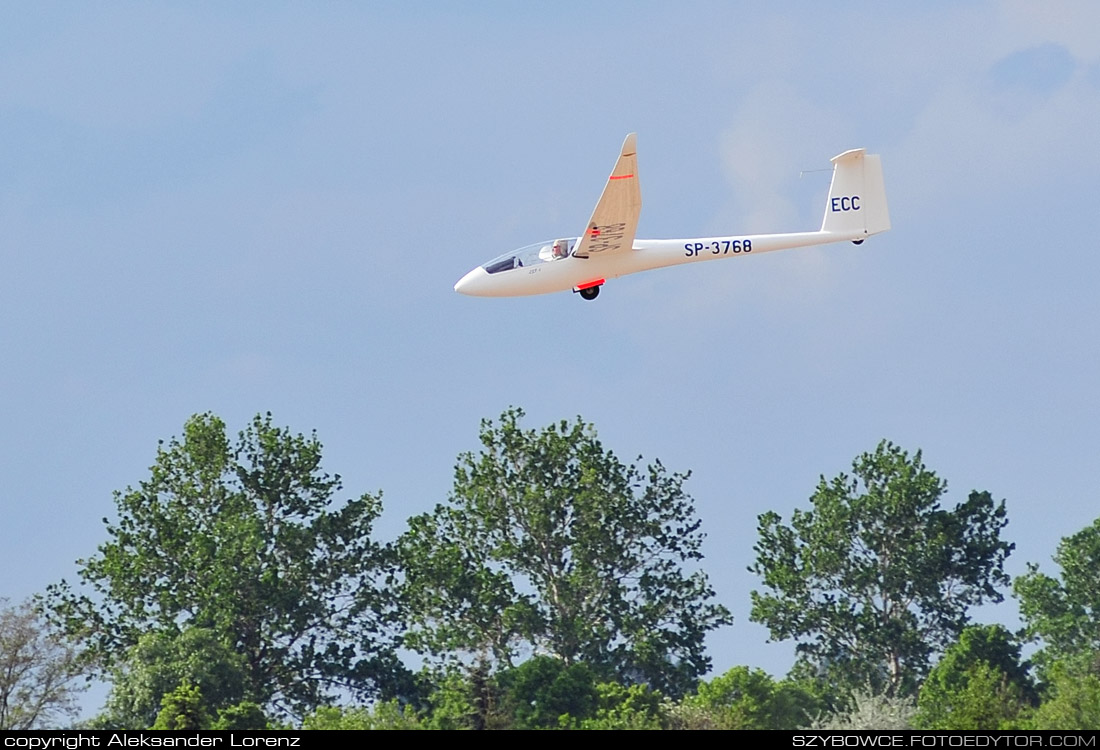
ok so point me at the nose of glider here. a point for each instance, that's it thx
(472, 283)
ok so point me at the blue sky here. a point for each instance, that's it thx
(264, 206)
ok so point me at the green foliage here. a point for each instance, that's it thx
(550, 544)
(183, 708)
(745, 698)
(877, 578)
(244, 541)
(537, 693)
(1065, 614)
(243, 715)
(38, 671)
(541, 693)
(980, 683)
(160, 662)
(1071, 700)
(991, 644)
(469, 701)
(982, 698)
(623, 707)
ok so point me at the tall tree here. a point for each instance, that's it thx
(245, 541)
(38, 671)
(877, 577)
(550, 544)
(1064, 614)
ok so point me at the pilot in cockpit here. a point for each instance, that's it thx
(560, 249)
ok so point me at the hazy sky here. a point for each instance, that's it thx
(256, 207)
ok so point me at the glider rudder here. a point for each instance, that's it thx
(857, 196)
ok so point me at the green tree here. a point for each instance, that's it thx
(243, 715)
(980, 683)
(246, 541)
(38, 671)
(160, 662)
(877, 577)
(465, 700)
(183, 708)
(745, 698)
(542, 691)
(982, 698)
(1065, 614)
(549, 544)
(624, 707)
(1071, 699)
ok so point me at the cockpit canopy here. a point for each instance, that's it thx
(541, 252)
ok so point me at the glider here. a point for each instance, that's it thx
(855, 210)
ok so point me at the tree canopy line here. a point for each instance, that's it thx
(555, 587)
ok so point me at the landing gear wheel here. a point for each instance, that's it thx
(857, 242)
(591, 292)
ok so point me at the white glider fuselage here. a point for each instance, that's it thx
(855, 209)
(560, 274)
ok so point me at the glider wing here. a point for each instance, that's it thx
(615, 220)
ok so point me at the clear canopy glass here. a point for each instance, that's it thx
(540, 252)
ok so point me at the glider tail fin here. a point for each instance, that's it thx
(857, 196)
